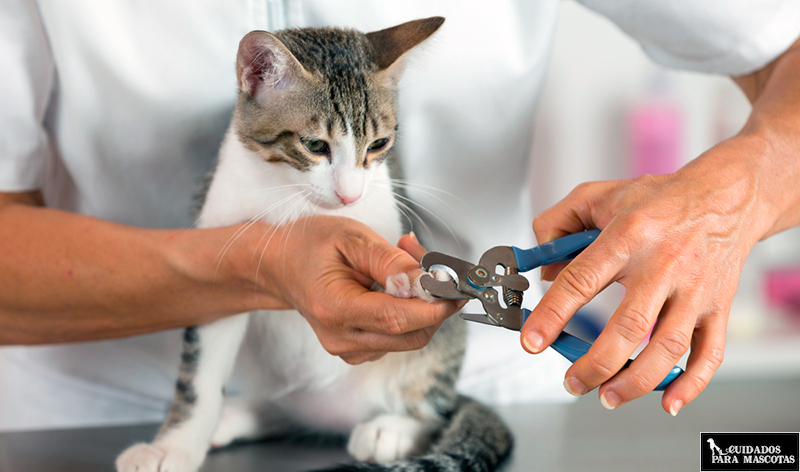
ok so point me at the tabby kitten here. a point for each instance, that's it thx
(311, 133)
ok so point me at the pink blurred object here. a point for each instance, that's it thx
(655, 137)
(655, 130)
(783, 288)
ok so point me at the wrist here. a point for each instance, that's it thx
(218, 267)
(769, 146)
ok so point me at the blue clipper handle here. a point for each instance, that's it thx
(559, 250)
(573, 348)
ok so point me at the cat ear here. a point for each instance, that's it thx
(264, 63)
(391, 44)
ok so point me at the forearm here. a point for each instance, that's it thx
(774, 92)
(67, 277)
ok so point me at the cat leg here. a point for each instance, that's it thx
(388, 438)
(247, 420)
(209, 353)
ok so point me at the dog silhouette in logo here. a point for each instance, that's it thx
(715, 448)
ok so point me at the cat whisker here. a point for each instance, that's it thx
(285, 217)
(263, 192)
(286, 235)
(240, 231)
(427, 190)
(271, 190)
(407, 211)
(401, 199)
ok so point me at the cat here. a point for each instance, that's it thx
(331, 153)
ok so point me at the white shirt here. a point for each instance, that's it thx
(116, 109)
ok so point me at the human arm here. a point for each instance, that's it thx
(677, 243)
(68, 277)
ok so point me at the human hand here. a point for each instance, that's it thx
(324, 267)
(677, 243)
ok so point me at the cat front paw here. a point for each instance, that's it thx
(151, 458)
(389, 438)
(403, 285)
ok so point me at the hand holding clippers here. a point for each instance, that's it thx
(483, 282)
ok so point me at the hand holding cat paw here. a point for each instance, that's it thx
(334, 261)
(406, 284)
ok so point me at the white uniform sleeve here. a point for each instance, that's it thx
(26, 82)
(732, 37)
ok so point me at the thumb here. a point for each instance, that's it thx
(374, 257)
(411, 245)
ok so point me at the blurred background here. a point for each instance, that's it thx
(609, 112)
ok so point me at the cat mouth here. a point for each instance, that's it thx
(326, 203)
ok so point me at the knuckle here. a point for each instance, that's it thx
(632, 324)
(634, 228)
(699, 383)
(353, 359)
(333, 348)
(540, 224)
(640, 384)
(550, 311)
(714, 357)
(418, 339)
(600, 365)
(320, 313)
(584, 188)
(392, 322)
(580, 281)
(675, 344)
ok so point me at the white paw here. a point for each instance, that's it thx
(389, 438)
(403, 285)
(236, 422)
(150, 458)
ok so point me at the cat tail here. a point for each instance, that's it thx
(475, 440)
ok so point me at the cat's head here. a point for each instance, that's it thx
(322, 102)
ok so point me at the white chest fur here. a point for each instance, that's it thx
(281, 349)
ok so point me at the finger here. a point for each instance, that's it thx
(355, 358)
(669, 342)
(576, 285)
(625, 331)
(380, 313)
(365, 281)
(411, 245)
(550, 272)
(708, 346)
(374, 257)
(573, 213)
(356, 346)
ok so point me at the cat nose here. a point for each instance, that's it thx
(348, 199)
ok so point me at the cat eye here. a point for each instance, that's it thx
(316, 146)
(378, 144)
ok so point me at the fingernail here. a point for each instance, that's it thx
(413, 236)
(675, 407)
(610, 400)
(533, 342)
(574, 386)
